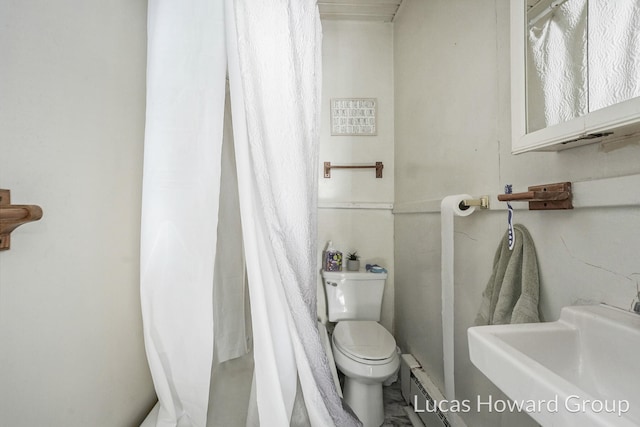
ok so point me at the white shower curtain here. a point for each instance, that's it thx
(271, 49)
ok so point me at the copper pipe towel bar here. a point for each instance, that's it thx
(543, 197)
(328, 166)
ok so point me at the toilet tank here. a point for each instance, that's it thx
(353, 295)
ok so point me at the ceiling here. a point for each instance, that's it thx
(370, 10)
(359, 10)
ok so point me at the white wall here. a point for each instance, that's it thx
(452, 125)
(358, 63)
(71, 134)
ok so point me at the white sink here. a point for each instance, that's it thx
(583, 370)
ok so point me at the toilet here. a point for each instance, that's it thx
(363, 350)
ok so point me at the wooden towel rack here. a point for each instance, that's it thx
(13, 216)
(328, 166)
(543, 197)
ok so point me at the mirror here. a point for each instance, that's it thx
(572, 61)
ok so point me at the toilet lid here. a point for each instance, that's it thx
(364, 339)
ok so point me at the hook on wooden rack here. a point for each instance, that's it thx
(13, 216)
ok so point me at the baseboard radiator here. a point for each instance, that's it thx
(420, 393)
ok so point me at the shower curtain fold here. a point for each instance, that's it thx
(229, 279)
(272, 48)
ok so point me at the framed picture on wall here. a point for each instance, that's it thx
(354, 116)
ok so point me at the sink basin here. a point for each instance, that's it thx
(582, 370)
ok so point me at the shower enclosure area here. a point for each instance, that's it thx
(192, 265)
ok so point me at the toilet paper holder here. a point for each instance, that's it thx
(482, 202)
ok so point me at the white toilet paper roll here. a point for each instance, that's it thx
(452, 204)
(449, 208)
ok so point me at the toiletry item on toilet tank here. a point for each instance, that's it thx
(332, 258)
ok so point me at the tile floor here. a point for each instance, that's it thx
(394, 414)
(229, 403)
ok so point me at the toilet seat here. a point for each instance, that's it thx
(364, 341)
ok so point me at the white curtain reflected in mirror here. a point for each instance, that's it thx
(614, 52)
(556, 64)
(582, 55)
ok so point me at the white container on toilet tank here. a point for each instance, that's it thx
(354, 295)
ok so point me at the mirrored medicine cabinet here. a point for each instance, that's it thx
(575, 72)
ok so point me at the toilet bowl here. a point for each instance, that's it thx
(365, 352)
